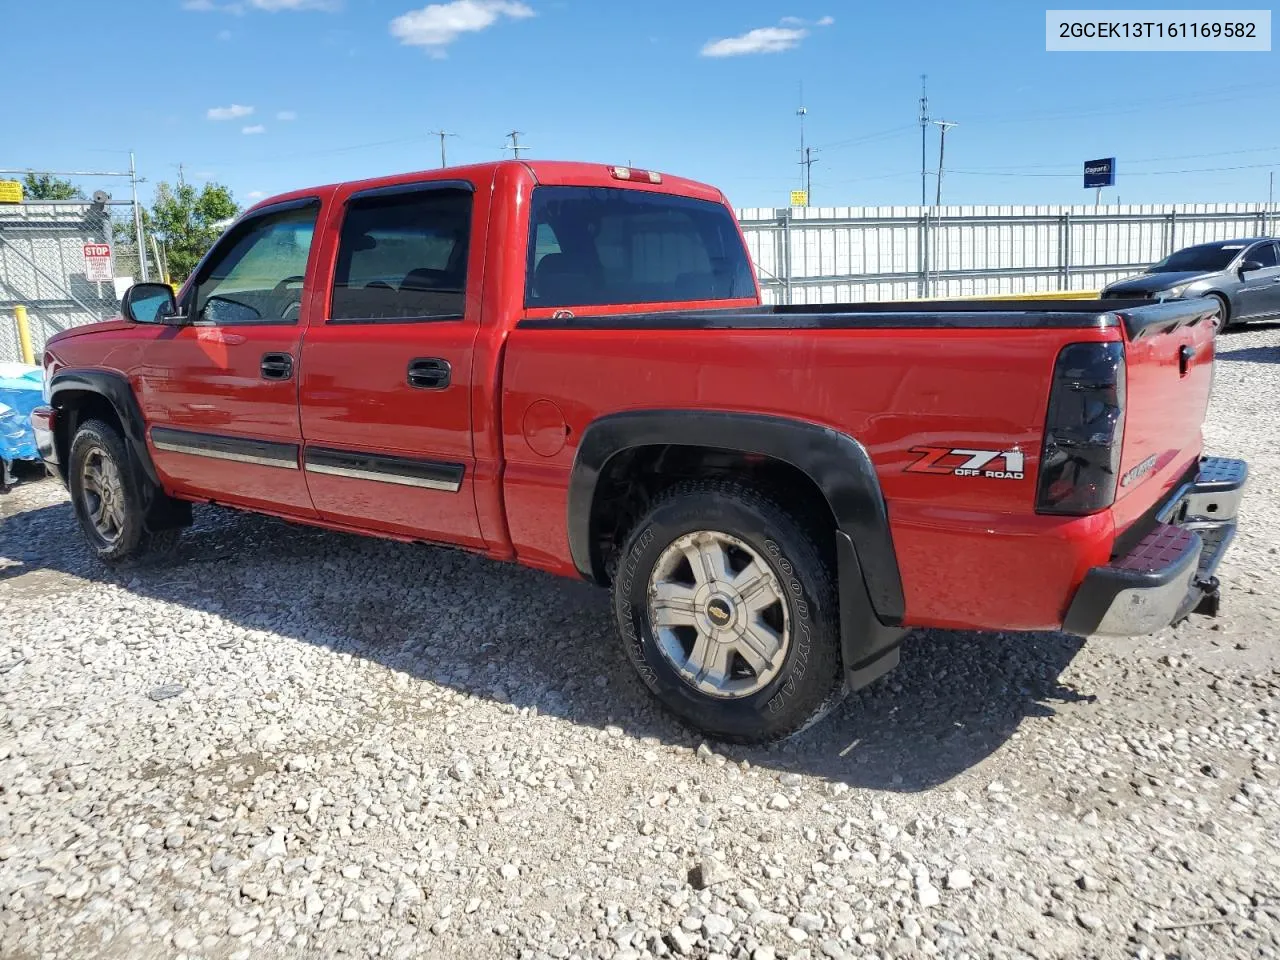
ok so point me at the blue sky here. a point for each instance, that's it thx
(269, 95)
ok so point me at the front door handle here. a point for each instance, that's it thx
(429, 373)
(277, 366)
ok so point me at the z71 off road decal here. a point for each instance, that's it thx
(963, 462)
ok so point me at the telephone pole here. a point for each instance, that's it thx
(139, 238)
(802, 112)
(943, 126)
(442, 134)
(924, 127)
(808, 163)
(515, 148)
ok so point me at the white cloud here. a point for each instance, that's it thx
(786, 36)
(760, 40)
(255, 194)
(233, 112)
(439, 24)
(287, 115)
(256, 128)
(223, 35)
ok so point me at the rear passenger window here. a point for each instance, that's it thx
(402, 255)
(597, 245)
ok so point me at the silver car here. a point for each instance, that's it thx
(1243, 275)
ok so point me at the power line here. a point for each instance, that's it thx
(1132, 173)
(1233, 93)
(1074, 171)
(853, 141)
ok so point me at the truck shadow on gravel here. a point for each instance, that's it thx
(518, 636)
(1267, 354)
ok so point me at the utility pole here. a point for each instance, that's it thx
(943, 126)
(808, 163)
(442, 134)
(924, 127)
(802, 112)
(1271, 196)
(137, 221)
(515, 148)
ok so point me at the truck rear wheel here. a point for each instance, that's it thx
(727, 610)
(109, 497)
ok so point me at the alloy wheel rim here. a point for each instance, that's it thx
(102, 495)
(719, 614)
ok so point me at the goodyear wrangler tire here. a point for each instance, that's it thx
(728, 612)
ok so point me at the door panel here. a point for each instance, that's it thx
(219, 393)
(385, 388)
(1259, 294)
(356, 399)
(205, 386)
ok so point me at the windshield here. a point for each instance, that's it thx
(605, 245)
(1210, 256)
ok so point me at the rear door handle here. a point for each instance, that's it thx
(277, 366)
(429, 373)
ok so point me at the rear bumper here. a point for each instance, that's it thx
(1169, 573)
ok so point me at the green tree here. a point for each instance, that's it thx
(44, 186)
(186, 221)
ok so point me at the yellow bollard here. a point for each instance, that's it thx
(24, 334)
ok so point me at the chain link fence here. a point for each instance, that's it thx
(45, 267)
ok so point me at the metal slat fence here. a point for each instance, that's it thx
(814, 255)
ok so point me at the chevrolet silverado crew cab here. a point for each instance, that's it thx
(569, 366)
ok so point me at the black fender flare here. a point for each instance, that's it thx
(115, 389)
(870, 584)
(163, 512)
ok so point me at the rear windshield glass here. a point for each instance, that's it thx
(601, 245)
(1206, 257)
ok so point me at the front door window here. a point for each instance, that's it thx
(256, 274)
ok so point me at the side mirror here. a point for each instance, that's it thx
(149, 303)
(1249, 266)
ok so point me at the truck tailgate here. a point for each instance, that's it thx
(1169, 367)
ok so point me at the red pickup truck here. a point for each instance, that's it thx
(568, 365)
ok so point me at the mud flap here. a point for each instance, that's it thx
(868, 648)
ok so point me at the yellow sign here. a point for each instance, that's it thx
(10, 191)
(799, 198)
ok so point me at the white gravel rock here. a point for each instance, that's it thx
(375, 749)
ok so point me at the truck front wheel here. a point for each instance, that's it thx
(727, 610)
(109, 497)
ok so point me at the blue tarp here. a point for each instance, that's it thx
(21, 391)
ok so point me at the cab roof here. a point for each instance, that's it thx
(544, 172)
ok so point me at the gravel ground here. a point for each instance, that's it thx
(294, 743)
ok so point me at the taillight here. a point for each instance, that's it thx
(633, 174)
(1084, 430)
